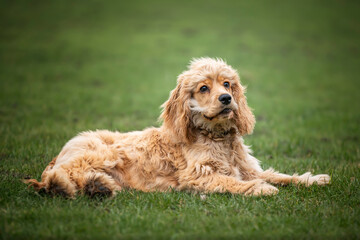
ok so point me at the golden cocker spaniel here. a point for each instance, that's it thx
(198, 148)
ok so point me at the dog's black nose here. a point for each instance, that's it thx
(225, 99)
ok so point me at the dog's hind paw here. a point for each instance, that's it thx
(96, 188)
(100, 185)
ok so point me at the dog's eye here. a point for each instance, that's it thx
(204, 89)
(226, 84)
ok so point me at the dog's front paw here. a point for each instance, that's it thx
(261, 188)
(203, 169)
(308, 179)
(321, 179)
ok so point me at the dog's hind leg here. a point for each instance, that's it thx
(79, 177)
(91, 177)
(69, 182)
(84, 165)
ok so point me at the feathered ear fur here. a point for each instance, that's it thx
(244, 118)
(176, 112)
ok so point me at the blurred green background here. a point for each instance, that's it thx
(70, 66)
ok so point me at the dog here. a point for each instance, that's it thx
(199, 147)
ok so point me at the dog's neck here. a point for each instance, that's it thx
(217, 135)
(216, 131)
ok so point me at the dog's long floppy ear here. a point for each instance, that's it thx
(176, 112)
(244, 118)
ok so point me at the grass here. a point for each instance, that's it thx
(70, 66)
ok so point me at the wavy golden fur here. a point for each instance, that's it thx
(198, 148)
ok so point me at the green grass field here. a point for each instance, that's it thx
(69, 66)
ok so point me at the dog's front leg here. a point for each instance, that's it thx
(251, 165)
(306, 179)
(221, 183)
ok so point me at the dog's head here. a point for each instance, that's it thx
(208, 95)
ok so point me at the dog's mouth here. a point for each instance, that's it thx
(225, 111)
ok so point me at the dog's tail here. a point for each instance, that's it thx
(35, 184)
